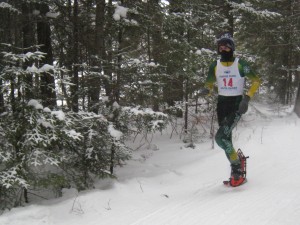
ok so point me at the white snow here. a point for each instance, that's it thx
(73, 134)
(116, 105)
(5, 5)
(59, 114)
(116, 134)
(52, 15)
(152, 64)
(46, 68)
(46, 109)
(120, 12)
(34, 103)
(34, 69)
(205, 51)
(44, 123)
(174, 185)
(248, 8)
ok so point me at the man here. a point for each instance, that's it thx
(230, 73)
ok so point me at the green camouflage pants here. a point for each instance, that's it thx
(228, 118)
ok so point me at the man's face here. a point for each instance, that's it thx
(224, 48)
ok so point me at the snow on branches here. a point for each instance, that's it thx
(48, 148)
(248, 8)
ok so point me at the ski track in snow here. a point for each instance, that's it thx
(178, 186)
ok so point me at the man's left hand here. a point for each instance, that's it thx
(243, 107)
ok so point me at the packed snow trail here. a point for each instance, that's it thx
(173, 185)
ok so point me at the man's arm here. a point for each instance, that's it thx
(211, 77)
(246, 71)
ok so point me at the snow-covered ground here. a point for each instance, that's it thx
(169, 184)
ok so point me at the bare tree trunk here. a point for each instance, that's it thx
(28, 43)
(288, 60)
(173, 91)
(230, 18)
(297, 103)
(116, 90)
(4, 17)
(107, 64)
(155, 43)
(47, 85)
(75, 50)
(95, 80)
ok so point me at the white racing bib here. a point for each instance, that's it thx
(230, 82)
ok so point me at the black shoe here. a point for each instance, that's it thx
(236, 171)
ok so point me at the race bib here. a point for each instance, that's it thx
(230, 82)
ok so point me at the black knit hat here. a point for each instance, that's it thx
(226, 39)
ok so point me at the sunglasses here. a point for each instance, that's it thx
(224, 47)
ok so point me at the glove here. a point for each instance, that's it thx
(243, 107)
(203, 92)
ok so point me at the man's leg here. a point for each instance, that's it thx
(224, 137)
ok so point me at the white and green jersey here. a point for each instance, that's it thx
(230, 82)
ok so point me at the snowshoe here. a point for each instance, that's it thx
(238, 174)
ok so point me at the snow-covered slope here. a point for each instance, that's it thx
(169, 184)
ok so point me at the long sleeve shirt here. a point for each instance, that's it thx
(245, 71)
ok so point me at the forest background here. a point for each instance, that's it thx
(79, 78)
